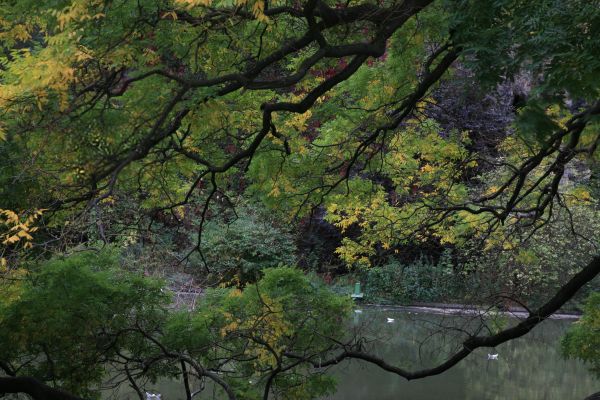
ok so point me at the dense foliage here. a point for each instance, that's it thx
(81, 314)
(438, 150)
(73, 315)
(583, 340)
(419, 281)
(241, 248)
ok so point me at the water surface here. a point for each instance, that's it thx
(528, 368)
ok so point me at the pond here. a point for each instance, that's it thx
(528, 368)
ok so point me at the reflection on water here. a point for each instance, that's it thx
(529, 368)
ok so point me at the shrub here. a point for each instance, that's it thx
(241, 249)
(422, 280)
(582, 341)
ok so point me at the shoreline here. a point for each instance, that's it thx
(462, 309)
(188, 299)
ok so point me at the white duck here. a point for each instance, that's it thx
(493, 356)
(390, 320)
(153, 396)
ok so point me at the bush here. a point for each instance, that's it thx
(422, 280)
(582, 341)
(239, 250)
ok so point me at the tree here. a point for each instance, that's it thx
(582, 339)
(83, 315)
(118, 114)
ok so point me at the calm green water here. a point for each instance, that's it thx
(529, 368)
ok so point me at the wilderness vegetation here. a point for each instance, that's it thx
(267, 153)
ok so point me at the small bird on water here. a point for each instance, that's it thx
(390, 320)
(153, 396)
(493, 356)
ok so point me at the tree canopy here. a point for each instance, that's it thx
(151, 137)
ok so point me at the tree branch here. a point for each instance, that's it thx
(564, 294)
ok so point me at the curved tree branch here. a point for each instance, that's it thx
(34, 388)
(566, 292)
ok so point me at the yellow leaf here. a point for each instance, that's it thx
(11, 239)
